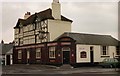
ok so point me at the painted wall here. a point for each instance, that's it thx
(97, 53)
(56, 10)
(58, 27)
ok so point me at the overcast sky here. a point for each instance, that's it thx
(89, 16)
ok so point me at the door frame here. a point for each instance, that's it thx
(8, 60)
(63, 53)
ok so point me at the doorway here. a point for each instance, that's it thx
(8, 60)
(91, 55)
(66, 55)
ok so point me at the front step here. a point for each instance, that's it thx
(66, 66)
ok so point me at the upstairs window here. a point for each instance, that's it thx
(30, 27)
(51, 52)
(83, 54)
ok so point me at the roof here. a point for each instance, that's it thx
(43, 15)
(91, 39)
(5, 48)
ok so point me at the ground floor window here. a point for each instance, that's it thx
(19, 54)
(51, 52)
(117, 50)
(83, 54)
(38, 52)
(104, 50)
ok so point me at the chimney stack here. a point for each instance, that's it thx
(28, 14)
(56, 9)
(2, 42)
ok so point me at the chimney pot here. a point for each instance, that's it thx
(27, 14)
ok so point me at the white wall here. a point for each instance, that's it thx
(112, 51)
(56, 10)
(80, 48)
(96, 50)
(58, 27)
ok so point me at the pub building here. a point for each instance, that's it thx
(46, 38)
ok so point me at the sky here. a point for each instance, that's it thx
(89, 16)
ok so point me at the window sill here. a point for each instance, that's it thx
(117, 56)
(84, 58)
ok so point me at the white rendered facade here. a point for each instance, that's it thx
(97, 53)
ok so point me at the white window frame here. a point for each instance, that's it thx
(38, 52)
(106, 50)
(52, 51)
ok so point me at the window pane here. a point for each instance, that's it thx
(19, 54)
(51, 52)
(104, 50)
(117, 50)
(83, 54)
(38, 53)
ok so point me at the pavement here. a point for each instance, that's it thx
(49, 69)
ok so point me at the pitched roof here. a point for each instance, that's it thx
(5, 48)
(91, 39)
(43, 15)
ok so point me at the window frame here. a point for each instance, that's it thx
(38, 51)
(52, 51)
(104, 50)
(19, 54)
(83, 54)
(117, 50)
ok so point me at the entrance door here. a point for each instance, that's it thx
(91, 57)
(8, 60)
(66, 57)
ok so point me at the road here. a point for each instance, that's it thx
(47, 70)
(77, 74)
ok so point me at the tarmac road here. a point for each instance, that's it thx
(47, 70)
(76, 74)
